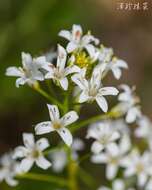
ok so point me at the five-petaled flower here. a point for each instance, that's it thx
(113, 156)
(77, 41)
(60, 72)
(104, 134)
(58, 124)
(92, 89)
(139, 165)
(30, 72)
(32, 152)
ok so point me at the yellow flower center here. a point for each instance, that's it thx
(82, 60)
(56, 125)
(139, 167)
(35, 153)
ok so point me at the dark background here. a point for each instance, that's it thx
(32, 26)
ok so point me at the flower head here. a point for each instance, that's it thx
(8, 169)
(92, 90)
(104, 134)
(138, 165)
(30, 72)
(113, 156)
(77, 41)
(60, 72)
(57, 124)
(32, 152)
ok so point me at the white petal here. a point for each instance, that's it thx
(61, 60)
(131, 115)
(40, 61)
(28, 139)
(118, 184)
(42, 144)
(54, 112)
(115, 135)
(43, 163)
(13, 71)
(20, 152)
(64, 83)
(78, 144)
(117, 72)
(71, 47)
(20, 81)
(50, 75)
(80, 80)
(76, 32)
(43, 128)
(108, 91)
(111, 171)
(149, 185)
(113, 149)
(142, 178)
(26, 60)
(124, 97)
(69, 118)
(66, 136)
(99, 158)
(102, 102)
(26, 164)
(122, 64)
(83, 97)
(65, 34)
(125, 144)
(10, 181)
(72, 69)
(129, 172)
(91, 50)
(96, 147)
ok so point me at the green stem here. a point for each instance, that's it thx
(47, 96)
(86, 178)
(89, 121)
(72, 170)
(45, 178)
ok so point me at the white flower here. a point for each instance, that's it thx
(32, 152)
(30, 72)
(77, 40)
(115, 66)
(105, 54)
(118, 184)
(138, 165)
(145, 128)
(104, 133)
(128, 104)
(57, 124)
(60, 72)
(8, 169)
(92, 89)
(113, 156)
(59, 160)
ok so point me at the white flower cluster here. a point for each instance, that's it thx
(82, 67)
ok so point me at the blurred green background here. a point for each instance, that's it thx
(32, 26)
